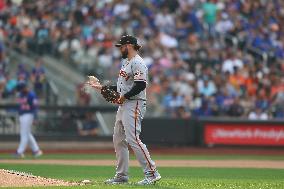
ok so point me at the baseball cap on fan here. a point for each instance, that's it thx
(128, 39)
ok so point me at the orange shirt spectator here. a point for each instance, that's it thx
(276, 89)
(27, 32)
(13, 20)
(251, 85)
(237, 80)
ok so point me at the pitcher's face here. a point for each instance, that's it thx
(124, 51)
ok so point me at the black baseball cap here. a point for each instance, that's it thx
(127, 39)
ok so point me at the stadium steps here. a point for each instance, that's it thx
(66, 79)
(60, 68)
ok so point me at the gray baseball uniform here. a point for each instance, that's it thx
(129, 116)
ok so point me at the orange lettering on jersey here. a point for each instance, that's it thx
(122, 74)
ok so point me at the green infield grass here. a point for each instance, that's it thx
(172, 178)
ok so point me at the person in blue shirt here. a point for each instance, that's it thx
(89, 126)
(27, 108)
(38, 77)
(22, 74)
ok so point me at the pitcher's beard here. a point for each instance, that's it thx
(124, 54)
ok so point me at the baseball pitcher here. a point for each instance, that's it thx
(130, 94)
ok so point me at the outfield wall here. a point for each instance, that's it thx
(212, 132)
(54, 125)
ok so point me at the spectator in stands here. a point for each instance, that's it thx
(26, 34)
(225, 99)
(258, 114)
(182, 113)
(38, 77)
(164, 20)
(209, 15)
(224, 25)
(277, 86)
(235, 110)
(262, 99)
(83, 98)
(204, 110)
(22, 74)
(231, 62)
(172, 101)
(2, 84)
(89, 126)
(206, 87)
(278, 100)
(3, 61)
(237, 80)
(183, 31)
(42, 35)
(11, 86)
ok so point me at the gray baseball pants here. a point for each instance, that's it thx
(126, 132)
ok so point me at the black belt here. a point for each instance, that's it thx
(137, 99)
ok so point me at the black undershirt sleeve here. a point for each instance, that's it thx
(136, 89)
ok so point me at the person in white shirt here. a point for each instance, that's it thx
(231, 62)
(258, 114)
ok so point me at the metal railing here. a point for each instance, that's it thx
(54, 120)
(51, 93)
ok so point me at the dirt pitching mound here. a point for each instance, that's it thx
(10, 178)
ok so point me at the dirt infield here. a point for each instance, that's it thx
(274, 164)
(16, 179)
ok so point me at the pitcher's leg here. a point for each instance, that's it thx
(121, 149)
(24, 134)
(142, 154)
(132, 123)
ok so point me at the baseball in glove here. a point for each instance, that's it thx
(109, 94)
(92, 83)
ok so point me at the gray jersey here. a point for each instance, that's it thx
(133, 70)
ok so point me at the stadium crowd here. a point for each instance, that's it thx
(11, 79)
(193, 71)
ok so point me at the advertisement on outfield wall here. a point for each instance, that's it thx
(243, 134)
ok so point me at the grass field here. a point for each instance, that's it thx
(172, 178)
(155, 156)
